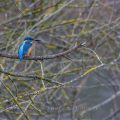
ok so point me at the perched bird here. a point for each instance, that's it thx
(25, 48)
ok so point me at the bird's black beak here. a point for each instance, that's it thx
(39, 41)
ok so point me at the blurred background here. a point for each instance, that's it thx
(90, 74)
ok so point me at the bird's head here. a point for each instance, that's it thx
(28, 38)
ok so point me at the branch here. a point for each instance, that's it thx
(30, 76)
(12, 56)
(113, 115)
(96, 107)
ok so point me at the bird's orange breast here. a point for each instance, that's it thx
(29, 51)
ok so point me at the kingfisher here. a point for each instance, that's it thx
(25, 48)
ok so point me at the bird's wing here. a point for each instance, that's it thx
(23, 49)
(20, 51)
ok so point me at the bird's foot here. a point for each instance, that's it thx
(26, 56)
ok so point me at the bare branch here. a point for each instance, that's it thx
(13, 56)
(112, 115)
(30, 76)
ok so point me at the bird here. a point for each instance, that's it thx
(25, 48)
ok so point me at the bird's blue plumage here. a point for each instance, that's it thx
(28, 38)
(24, 47)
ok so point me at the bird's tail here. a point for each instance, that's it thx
(20, 58)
